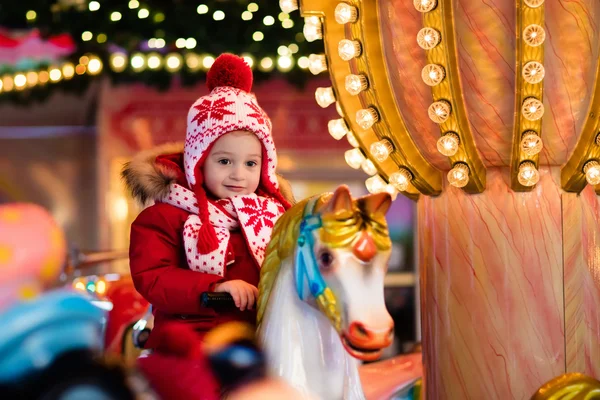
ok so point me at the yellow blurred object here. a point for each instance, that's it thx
(100, 287)
(571, 386)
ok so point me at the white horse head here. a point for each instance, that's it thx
(321, 292)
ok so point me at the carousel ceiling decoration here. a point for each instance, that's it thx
(399, 74)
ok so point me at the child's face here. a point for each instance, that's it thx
(233, 165)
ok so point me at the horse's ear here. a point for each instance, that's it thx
(374, 204)
(340, 201)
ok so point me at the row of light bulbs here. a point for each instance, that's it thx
(354, 84)
(439, 111)
(88, 64)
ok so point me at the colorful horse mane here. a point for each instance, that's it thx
(340, 229)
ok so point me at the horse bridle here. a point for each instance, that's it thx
(307, 268)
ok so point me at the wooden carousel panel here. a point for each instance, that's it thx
(485, 33)
(582, 281)
(492, 289)
(400, 23)
(571, 57)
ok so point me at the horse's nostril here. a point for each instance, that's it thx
(361, 330)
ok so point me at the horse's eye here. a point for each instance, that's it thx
(325, 259)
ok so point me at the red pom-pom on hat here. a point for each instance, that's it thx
(229, 70)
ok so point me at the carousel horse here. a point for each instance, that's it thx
(321, 304)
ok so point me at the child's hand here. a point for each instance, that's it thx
(244, 294)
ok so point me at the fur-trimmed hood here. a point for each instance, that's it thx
(148, 180)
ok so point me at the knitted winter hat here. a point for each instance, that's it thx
(229, 107)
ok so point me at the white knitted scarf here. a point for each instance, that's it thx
(255, 215)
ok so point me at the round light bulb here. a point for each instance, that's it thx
(533, 3)
(94, 66)
(317, 63)
(154, 61)
(352, 139)
(20, 81)
(532, 109)
(337, 128)
(531, 143)
(118, 62)
(448, 144)
(324, 96)
(528, 174)
(533, 72)
(428, 38)
(424, 5)
(345, 13)
(348, 49)
(381, 150)
(433, 74)
(355, 84)
(400, 179)
(459, 175)
(312, 31)
(368, 167)
(534, 35)
(439, 111)
(287, 6)
(354, 158)
(592, 172)
(375, 184)
(366, 117)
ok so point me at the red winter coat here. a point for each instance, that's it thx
(157, 260)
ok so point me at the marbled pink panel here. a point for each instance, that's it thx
(570, 59)
(492, 289)
(582, 281)
(399, 23)
(485, 41)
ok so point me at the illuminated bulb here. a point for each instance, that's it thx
(143, 13)
(247, 16)
(424, 5)
(192, 61)
(133, 4)
(528, 174)
(208, 61)
(8, 83)
(55, 75)
(31, 15)
(312, 31)
(345, 13)
(32, 79)
(348, 49)
(375, 184)
(598, 139)
(268, 20)
(283, 51)
(94, 6)
(100, 287)
(337, 128)
(303, 62)
(266, 64)
(533, 72)
(354, 158)
(94, 66)
(218, 15)
(324, 96)
(154, 61)
(368, 167)
(79, 70)
(87, 36)
(352, 139)
(317, 63)
(381, 150)
(433, 74)
(249, 59)
(448, 144)
(174, 62)
(531, 143)
(68, 70)
(534, 35)
(428, 38)
(285, 63)
(393, 192)
(287, 24)
(366, 117)
(459, 175)
(190, 43)
(44, 76)
(115, 16)
(253, 7)
(138, 62)
(592, 172)
(20, 81)
(338, 109)
(258, 36)
(534, 3)
(355, 84)
(439, 111)
(202, 9)
(400, 179)
(532, 109)
(287, 6)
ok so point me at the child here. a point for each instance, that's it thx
(215, 206)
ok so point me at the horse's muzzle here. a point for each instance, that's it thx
(365, 343)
